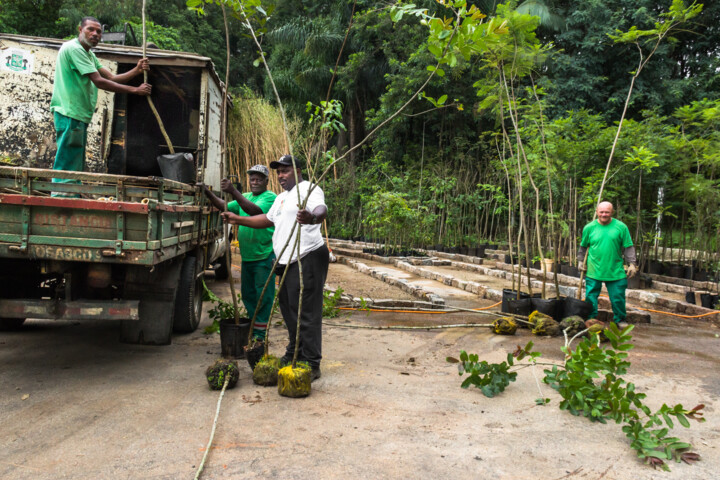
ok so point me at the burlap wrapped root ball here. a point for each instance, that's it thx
(596, 326)
(266, 371)
(294, 382)
(544, 324)
(505, 326)
(219, 371)
(573, 324)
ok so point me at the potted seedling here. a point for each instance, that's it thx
(233, 331)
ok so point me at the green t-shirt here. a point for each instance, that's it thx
(255, 243)
(74, 94)
(605, 244)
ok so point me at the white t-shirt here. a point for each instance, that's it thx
(283, 214)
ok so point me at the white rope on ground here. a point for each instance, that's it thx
(212, 433)
(407, 327)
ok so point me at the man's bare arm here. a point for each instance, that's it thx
(256, 221)
(142, 65)
(106, 84)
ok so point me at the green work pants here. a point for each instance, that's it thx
(252, 279)
(616, 292)
(71, 138)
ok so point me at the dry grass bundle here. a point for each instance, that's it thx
(255, 136)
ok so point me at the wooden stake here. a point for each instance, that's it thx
(145, 79)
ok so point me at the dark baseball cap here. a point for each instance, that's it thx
(287, 160)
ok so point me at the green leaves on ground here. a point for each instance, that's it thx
(490, 378)
(591, 385)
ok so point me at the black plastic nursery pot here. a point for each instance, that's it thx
(674, 270)
(549, 306)
(573, 306)
(639, 282)
(507, 295)
(702, 276)
(689, 272)
(522, 307)
(570, 271)
(234, 337)
(655, 267)
(708, 300)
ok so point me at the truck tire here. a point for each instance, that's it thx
(156, 289)
(222, 272)
(10, 323)
(189, 297)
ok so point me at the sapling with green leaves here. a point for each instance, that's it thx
(590, 384)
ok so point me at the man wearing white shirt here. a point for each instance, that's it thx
(313, 253)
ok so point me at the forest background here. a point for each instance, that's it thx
(508, 143)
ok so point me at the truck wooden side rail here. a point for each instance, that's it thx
(125, 248)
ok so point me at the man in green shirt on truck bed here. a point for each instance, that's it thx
(78, 75)
(255, 244)
(606, 240)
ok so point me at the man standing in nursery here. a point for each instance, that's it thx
(78, 75)
(287, 217)
(256, 246)
(606, 241)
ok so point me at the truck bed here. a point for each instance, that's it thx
(117, 219)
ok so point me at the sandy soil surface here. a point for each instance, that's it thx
(347, 278)
(76, 404)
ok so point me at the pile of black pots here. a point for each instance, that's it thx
(402, 252)
(558, 308)
(473, 251)
(691, 271)
(707, 300)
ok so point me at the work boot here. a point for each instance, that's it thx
(314, 373)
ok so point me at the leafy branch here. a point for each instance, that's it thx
(591, 385)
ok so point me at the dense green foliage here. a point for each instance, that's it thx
(510, 137)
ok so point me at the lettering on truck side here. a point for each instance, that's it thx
(66, 253)
(60, 220)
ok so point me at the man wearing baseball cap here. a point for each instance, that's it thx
(256, 246)
(287, 218)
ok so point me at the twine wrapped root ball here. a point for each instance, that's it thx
(294, 382)
(544, 325)
(505, 326)
(219, 371)
(572, 324)
(266, 371)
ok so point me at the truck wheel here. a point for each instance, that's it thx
(189, 297)
(11, 323)
(156, 291)
(222, 272)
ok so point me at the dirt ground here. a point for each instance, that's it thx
(76, 404)
(368, 288)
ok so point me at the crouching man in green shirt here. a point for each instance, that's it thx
(256, 246)
(606, 240)
(78, 75)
